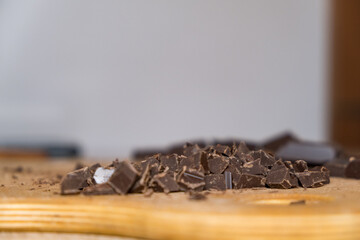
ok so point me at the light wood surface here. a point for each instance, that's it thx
(30, 202)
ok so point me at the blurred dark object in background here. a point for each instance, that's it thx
(345, 92)
(19, 150)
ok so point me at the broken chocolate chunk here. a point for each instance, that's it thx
(223, 150)
(279, 177)
(300, 166)
(191, 179)
(267, 160)
(254, 167)
(217, 164)
(249, 181)
(99, 189)
(123, 178)
(166, 182)
(193, 162)
(353, 169)
(75, 181)
(141, 184)
(170, 161)
(215, 182)
(312, 179)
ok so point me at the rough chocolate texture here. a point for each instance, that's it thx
(76, 181)
(191, 179)
(166, 182)
(99, 189)
(123, 178)
(215, 182)
(353, 169)
(254, 167)
(250, 181)
(217, 164)
(279, 177)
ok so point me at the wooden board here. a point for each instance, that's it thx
(30, 201)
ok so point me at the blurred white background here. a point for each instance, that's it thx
(115, 75)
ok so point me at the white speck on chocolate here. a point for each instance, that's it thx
(102, 175)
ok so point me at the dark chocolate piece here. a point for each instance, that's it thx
(223, 150)
(312, 153)
(267, 159)
(191, 179)
(300, 166)
(324, 171)
(141, 184)
(294, 181)
(242, 148)
(254, 167)
(166, 182)
(170, 161)
(312, 179)
(228, 179)
(217, 164)
(123, 178)
(250, 181)
(279, 177)
(193, 161)
(99, 189)
(75, 181)
(353, 169)
(215, 182)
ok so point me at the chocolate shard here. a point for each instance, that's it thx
(193, 162)
(267, 159)
(228, 179)
(141, 185)
(279, 177)
(324, 171)
(99, 189)
(123, 178)
(215, 182)
(249, 181)
(312, 153)
(235, 173)
(254, 168)
(353, 169)
(153, 163)
(300, 166)
(312, 179)
(294, 181)
(170, 161)
(166, 182)
(223, 150)
(191, 179)
(290, 166)
(75, 181)
(217, 164)
(245, 157)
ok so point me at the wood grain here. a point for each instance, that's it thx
(330, 212)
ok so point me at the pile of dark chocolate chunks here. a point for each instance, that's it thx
(217, 167)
